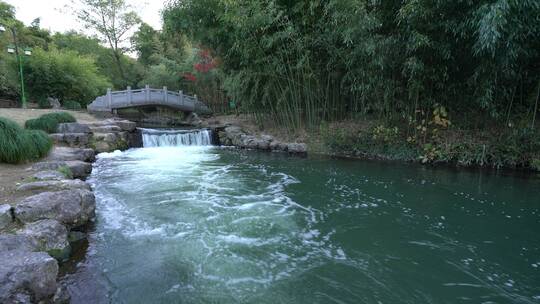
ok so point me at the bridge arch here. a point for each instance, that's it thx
(129, 98)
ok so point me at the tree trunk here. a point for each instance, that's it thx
(120, 68)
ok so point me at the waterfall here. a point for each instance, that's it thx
(173, 138)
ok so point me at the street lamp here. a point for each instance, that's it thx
(14, 49)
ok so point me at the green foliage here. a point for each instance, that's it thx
(43, 103)
(302, 62)
(49, 122)
(112, 20)
(41, 143)
(71, 105)
(9, 84)
(104, 59)
(379, 142)
(65, 75)
(18, 145)
(146, 42)
(386, 134)
(496, 148)
(66, 171)
(162, 74)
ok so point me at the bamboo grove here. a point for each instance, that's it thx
(304, 62)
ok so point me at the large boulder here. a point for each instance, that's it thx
(77, 139)
(67, 153)
(278, 146)
(110, 137)
(193, 119)
(72, 127)
(16, 242)
(6, 215)
(54, 103)
(235, 136)
(106, 129)
(27, 276)
(48, 175)
(297, 148)
(126, 125)
(70, 207)
(233, 131)
(108, 142)
(49, 236)
(53, 185)
(224, 139)
(71, 139)
(78, 168)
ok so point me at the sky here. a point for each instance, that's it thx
(56, 18)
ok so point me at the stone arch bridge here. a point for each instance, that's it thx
(129, 98)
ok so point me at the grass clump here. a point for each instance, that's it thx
(49, 122)
(66, 171)
(18, 145)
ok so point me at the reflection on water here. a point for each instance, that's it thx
(209, 225)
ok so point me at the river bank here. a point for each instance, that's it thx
(481, 146)
(46, 207)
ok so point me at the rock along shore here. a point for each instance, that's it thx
(233, 135)
(37, 232)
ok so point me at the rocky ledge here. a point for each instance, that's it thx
(236, 136)
(37, 232)
(103, 136)
(233, 135)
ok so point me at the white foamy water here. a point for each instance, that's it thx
(233, 226)
(174, 138)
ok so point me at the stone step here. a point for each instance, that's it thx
(68, 153)
(79, 140)
(78, 168)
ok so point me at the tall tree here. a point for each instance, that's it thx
(145, 42)
(112, 19)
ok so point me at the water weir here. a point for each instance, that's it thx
(174, 138)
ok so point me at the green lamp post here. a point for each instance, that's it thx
(14, 49)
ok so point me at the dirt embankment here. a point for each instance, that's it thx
(10, 177)
(22, 115)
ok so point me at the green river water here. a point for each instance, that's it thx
(195, 224)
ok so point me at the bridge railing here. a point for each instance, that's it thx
(145, 97)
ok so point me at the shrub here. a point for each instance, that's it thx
(41, 143)
(71, 105)
(49, 122)
(43, 103)
(63, 74)
(18, 145)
